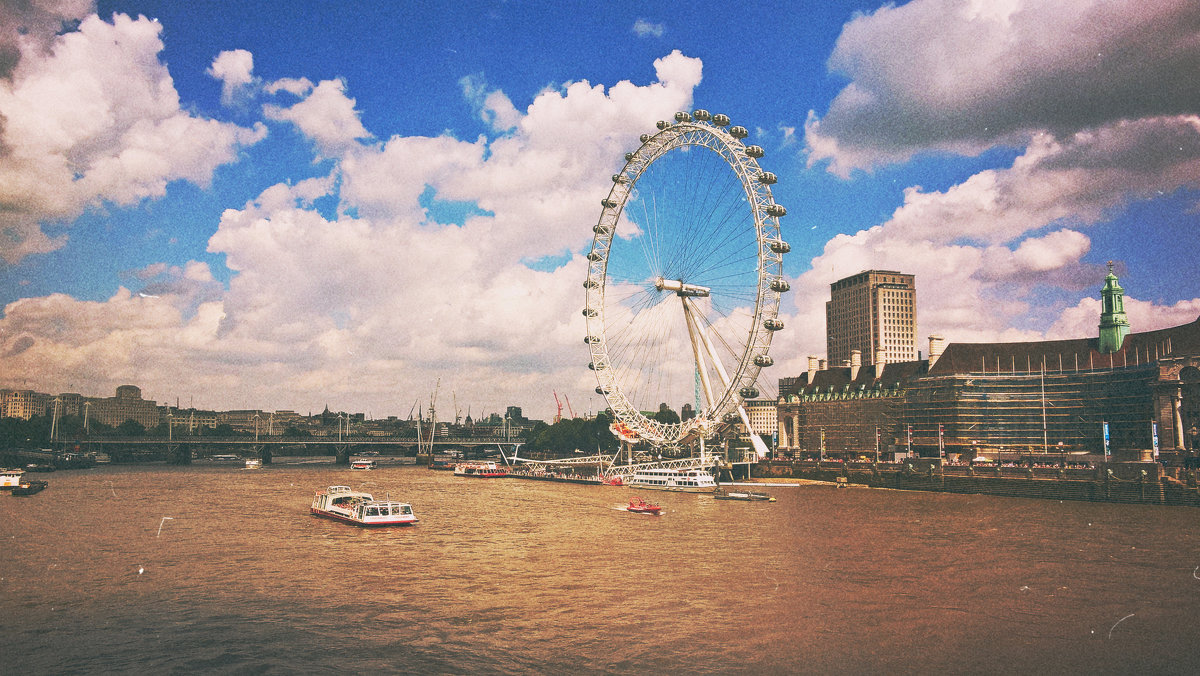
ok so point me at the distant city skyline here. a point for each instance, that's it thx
(283, 205)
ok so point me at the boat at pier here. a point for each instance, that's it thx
(254, 463)
(685, 481)
(342, 503)
(486, 470)
(640, 506)
(364, 464)
(751, 496)
(11, 478)
(29, 487)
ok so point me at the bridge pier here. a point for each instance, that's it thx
(341, 454)
(264, 454)
(179, 454)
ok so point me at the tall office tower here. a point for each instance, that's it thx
(873, 312)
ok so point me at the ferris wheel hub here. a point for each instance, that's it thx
(679, 288)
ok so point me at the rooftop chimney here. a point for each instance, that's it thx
(812, 368)
(855, 363)
(880, 362)
(821, 365)
(937, 345)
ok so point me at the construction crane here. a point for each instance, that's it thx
(557, 416)
(569, 409)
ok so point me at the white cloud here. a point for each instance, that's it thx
(326, 115)
(647, 29)
(97, 120)
(944, 75)
(377, 303)
(235, 69)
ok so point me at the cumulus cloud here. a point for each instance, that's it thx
(33, 25)
(235, 69)
(1090, 94)
(375, 300)
(325, 114)
(944, 75)
(96, 119)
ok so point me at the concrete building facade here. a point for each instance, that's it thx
(873, 313)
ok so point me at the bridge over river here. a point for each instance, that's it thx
(181, 450)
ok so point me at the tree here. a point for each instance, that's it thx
(131, 428)
(665, 415)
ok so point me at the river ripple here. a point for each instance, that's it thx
(512, 576)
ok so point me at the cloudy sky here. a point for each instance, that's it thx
(284, 205)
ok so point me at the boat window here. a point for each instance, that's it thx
(373, 511)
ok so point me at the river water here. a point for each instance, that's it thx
(157, 569)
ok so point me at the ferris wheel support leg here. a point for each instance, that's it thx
(696, 334)
(760, 449)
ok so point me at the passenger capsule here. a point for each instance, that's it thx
(644, 137)
(748, 392)
(768, 178)
(619, 178)
(601, 390)
(682, 117)
(754, 151)
(592, 365)
(738, 132)
(609, 203)
(594, 256)
(780, 247)
(702, 115)
(591, 340)
(601, 229)
(764, 360)
(780, 285)
(629, 157)
(721, 120)
(773, 324)
(776, 210)
(590, 283)
(662, 124)
(590, 313)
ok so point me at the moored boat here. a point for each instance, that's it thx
(342, 503)
(725, 494)
(685, 481)
(29, 487)
(364, 464)
(254, 463)
(486, 470)
(640, 506)
(11, 478)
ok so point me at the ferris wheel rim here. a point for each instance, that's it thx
(708, 131)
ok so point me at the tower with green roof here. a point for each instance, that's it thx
(1114, 326)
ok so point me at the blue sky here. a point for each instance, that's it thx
(283, 205)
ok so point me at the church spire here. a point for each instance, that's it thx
(1114, 326)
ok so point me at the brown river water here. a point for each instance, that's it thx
(217, 569)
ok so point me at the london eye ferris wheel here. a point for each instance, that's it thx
(684, 280)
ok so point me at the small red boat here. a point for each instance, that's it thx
(640, 506)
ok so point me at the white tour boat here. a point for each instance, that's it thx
(11, 478)
(254, 463)
(361, 509)
(686, 481)
(364, 464)
(486, 469)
